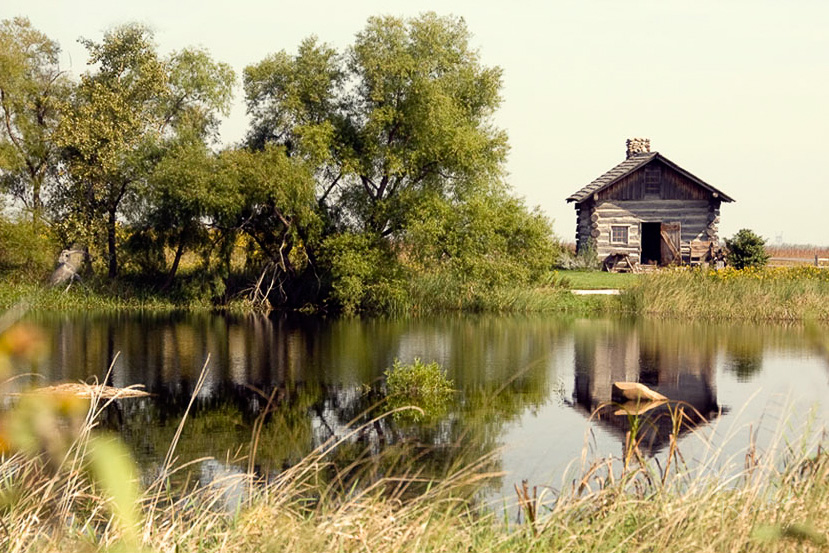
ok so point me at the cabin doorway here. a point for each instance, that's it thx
(660, 243)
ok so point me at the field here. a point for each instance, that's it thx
(797, 254)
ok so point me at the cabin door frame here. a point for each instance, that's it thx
(659, 242)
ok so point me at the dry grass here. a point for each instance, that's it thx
(778, 500)
(797, 254)
(90, 391)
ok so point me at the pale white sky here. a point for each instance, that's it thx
(734, 91)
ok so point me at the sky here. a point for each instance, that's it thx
(734, 91)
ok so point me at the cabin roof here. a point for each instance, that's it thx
(632, 164)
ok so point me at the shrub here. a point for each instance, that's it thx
(365, 274)
(746, 249)
(422, 385)
(27, 250)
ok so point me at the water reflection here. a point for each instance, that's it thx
(678, 366)
(531, 381)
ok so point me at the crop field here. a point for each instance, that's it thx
(797, 254)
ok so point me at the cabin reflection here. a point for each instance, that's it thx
(678, 366)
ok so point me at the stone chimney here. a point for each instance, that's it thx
(638, 146)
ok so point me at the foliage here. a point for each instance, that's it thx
(486, 239)
(121, 116)
(746, 249)
(33, 91)
(268, 197)
(585, 259)
(365, 273)
(27, 250)
(405, 111)
(424, 386)
(362, 169)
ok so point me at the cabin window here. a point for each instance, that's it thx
(618, 235)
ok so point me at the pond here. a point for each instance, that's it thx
(527, 387)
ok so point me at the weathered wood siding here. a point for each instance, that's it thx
(583, 225)
(654, 193)
(670, 185)
(699, 220)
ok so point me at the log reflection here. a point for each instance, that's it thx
(679, 366)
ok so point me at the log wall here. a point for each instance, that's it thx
(699, 220)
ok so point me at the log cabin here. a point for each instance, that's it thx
(648, 211)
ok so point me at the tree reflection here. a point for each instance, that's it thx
(325, 378)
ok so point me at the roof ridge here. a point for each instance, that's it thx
(630, 165)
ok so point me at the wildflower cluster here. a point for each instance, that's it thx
(770, 274)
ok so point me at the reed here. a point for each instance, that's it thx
(775, 499)
(769, 294)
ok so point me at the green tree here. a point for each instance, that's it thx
(408, 165)
(269, 198)
(32, 91)
(746, 249)
(406, 110)
(169, 210)
(125, 114)
(182, 187)
(485, 239)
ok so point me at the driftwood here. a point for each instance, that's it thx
(69, 262)
(88, 391)
(636, 398)
(638, 407)
(634, 391)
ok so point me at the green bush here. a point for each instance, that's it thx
(422, 385)
(365, 274)
(746, 249)
(27, 250)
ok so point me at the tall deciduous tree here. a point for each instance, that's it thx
(125, 111)
(407, 109)
(32, 89)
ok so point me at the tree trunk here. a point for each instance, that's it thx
(37, 205)
(113, 260)
(174, 268)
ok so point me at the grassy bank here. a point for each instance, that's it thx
(595, 280)
(54, 496)
(117, 297)
(771, 294)
(433, 295)
(425, 296)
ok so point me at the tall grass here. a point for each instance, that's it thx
(117, 297)
(439, 293)
(805, 252)
(770, 294)
(383, 503)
